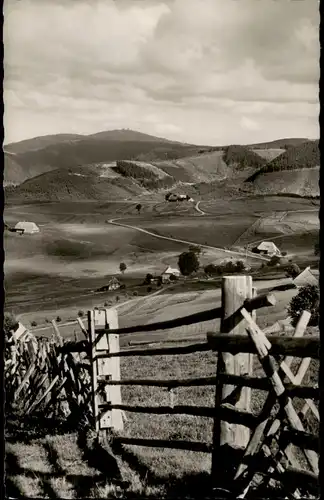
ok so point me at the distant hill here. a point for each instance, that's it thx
(39, 142)
(77, 184)
(87, 150)
(296, 171)
(128, 136)
(241, 158)
(279, 143)
(305, 155)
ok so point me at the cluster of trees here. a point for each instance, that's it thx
(242, 157)
(229, 267)
(144, 176)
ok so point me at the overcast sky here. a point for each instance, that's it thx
(199, 71)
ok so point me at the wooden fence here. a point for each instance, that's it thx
(86, 375)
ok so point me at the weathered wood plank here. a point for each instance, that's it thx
(226, 411)
(250, 305)
(301, 347)
(258, 338)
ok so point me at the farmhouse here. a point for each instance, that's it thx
(168, 273)
(306, 277)
(268, 248)
(27, 227)
(113, 284)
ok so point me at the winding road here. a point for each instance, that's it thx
(218, 249)
(201, 212)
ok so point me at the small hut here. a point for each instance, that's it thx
(27, 227)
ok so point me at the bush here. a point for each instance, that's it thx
(33, 323)
(149, 289)
(10, 323)
(58, 319)
(307, 299)
(173, 277)
(195, 249)
(80, 314)
(188, 263)
(123, 286)
(274, 261)
(240, 266)
(292, 271)
(122, 267)
(106, 304)
(211, 270)
(135, 293)
(148, 279)
(47, 320)
(284, 254)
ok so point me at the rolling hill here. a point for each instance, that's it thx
(77, 184)
(296, 171)
(42, 154)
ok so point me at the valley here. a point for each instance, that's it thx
(95, 212)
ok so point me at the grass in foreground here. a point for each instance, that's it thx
(71, 465)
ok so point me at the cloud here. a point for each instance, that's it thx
(88, 65)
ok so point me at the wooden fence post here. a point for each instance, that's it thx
(230, 437)
(105, 368)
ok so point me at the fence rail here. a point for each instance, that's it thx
(54, 376)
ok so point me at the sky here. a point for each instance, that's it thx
(210, 72)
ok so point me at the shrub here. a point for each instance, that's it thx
(173, 277)
(47, 320)
(274, 261)
(188, 263)
(148, 279)
(106, 304)
(149, 289)
(10, 323)
(58, 319)
(292, 270)
(80, 314)
(284, 254)
(135, 293)
(211, 270)
(96, 308)
(195, 249)
(33, 323)
(122, 267)
(123, 286)
(307, 299)
(240, 266)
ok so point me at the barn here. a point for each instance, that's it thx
(27, 227)
(268, 248)
(306, 277)
(168, 273)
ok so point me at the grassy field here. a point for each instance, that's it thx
(55, 272)
(68, 465)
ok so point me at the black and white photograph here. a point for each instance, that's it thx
(161, 249)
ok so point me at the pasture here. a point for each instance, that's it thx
(77, 251)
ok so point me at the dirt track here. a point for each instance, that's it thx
(241, 254)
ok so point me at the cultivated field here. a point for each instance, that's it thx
(77, 250)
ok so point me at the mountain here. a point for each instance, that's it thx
(77, 184)
(39, 142)
(128, 136)
(296, 171)
(70, 152)
(279, 143)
